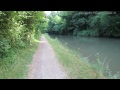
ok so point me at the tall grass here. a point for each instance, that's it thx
(101, 66)
(75, 67)
(15, 65)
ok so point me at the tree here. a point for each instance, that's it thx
(84, 23)
(18, 28)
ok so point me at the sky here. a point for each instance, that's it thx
(47, 12)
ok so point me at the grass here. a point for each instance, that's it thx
(15, 66)
(75, 67)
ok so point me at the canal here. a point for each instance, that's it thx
(92, 48)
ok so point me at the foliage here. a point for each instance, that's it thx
(16, 65)
(18, 28)
(84, 23)
(4, 46)
(75, 66)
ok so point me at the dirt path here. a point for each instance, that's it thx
(45, 65)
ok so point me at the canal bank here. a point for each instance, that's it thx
(107, 50)
(75, 68)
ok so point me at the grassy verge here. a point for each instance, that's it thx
(75, 68)
(15, 66)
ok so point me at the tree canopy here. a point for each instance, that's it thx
(18, 28)
(84, 23)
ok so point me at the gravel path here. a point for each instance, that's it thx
(45, 65)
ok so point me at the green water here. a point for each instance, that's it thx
(88, 47)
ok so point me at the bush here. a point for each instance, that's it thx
(83, 23)
(88, 33)
(17, 28)
(4, 47)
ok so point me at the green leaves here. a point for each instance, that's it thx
(4, 46)
(17, 28)
(92, 23)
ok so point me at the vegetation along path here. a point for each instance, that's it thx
(45, 64)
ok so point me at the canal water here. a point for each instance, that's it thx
(107, 50)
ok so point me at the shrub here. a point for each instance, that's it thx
(4, 47)
(88, 33)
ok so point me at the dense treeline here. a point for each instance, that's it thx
(83, 23)
(18, 28)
